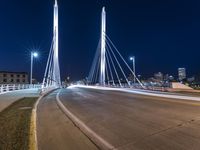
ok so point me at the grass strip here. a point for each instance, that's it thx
(15, 123)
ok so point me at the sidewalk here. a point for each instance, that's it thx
(8, 98)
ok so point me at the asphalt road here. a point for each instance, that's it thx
(55, 131)
(130, 121)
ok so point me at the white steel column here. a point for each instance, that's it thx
(56, 68)
(52, 71)
(103, 47)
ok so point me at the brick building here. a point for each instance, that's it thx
(13, 77)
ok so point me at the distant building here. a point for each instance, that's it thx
(171, 78)
(166, 77)
(181, 74)
(191, 79)
(13, 77)
(159, 76)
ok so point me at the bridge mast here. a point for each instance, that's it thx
(103, 47)
(52, 72)
(56, 73)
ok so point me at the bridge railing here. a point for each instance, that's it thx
(13, 87)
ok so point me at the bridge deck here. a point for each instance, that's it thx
(132, 121)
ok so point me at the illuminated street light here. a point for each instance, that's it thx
(133, 59)
(33, 55)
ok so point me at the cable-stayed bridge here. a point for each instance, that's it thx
(52, 71)
(109, 68)
(99, 116)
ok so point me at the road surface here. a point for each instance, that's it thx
(55, 131)
(125, 120)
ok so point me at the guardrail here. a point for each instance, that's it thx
(13, 87)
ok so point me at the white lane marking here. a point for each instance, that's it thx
(102, 143)
(188, 98)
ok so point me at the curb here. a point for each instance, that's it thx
(94, 137)
(33, 129)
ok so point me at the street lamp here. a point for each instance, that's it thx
(33, 55)
(133, 59)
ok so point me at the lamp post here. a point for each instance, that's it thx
(133, 59)
(33, 55)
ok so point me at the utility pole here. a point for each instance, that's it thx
(133, 59)
(33, 55)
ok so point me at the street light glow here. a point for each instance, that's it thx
(35, 54)
(131, 58)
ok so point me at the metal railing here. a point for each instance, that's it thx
(13, 87)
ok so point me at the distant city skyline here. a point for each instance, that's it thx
(163, 36)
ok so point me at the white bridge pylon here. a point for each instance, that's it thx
(103, 48)
(109, 68)
(52, 71)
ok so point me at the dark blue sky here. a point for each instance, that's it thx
(163, 35)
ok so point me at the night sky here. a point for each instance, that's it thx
(163, 35)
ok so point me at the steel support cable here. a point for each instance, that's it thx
(47, 66)
(125, 61)
(98, 69)
(118, 64)
(95, 71)
(107, 73)
(50, 76)
(46, 70)
(51, 79)
(107, 59)
(50, 69)
(109, 55)
(94, 62)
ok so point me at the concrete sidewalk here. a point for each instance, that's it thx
(55, 131)
(8, 98)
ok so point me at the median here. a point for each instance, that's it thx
(15, 125)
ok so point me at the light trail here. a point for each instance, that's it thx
(154, 93)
